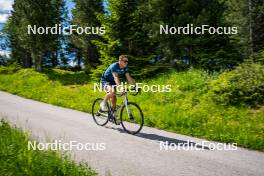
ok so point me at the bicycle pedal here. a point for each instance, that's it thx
(114, 120)
(111, 119)
(117, 122)
(102, 111)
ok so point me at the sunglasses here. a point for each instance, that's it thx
(126, 61)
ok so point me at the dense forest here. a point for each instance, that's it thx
(133, 27)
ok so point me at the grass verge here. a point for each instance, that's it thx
(188, 109)
(16, 159)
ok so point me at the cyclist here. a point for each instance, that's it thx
(111, 78)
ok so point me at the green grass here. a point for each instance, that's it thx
(188, 109)
(16, 159)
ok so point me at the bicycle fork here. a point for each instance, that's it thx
(129, 111)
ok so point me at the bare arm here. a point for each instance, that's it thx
(116, 78)
(130, 79)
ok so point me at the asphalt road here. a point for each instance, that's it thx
(124, 154)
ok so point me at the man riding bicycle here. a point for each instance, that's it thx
(111, 78)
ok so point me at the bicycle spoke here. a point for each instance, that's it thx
(100, 117)
(132, 118)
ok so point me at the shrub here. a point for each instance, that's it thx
(243, 85)
(259, 57)
(88, 69)
(70, 68)
(10, 69)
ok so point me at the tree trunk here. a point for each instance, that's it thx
(37, 62)
(54, 58)
(39, 67)
(250, 27)
(27, 62)
(91, 55)
(78, 57)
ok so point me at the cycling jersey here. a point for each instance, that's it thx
(108, 74)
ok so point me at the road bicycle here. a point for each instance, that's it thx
(131, 115)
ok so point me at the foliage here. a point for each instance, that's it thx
(70, 68)
(67, 77)
(248, 16)
(124, 35)
(259, 57)
(32, 48)
(84, 15)
(133, 27)
(17, 159)
(243, 85)
(190, 107)
(10, 69)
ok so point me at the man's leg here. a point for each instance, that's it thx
(110, 95)
(113, 100)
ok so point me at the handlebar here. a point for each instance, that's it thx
(137, 91)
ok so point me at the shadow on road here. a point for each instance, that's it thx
(168, 140)
(159, 138)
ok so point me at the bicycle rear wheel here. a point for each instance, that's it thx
(132, 119)
(100, 117)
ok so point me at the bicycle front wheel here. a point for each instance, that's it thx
(132, 119)
(100, 117)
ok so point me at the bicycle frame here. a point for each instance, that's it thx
(124, 102)
(123, 107)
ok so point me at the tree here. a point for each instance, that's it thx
(42, 13)
(193, 50)
(125, 34)
(19, 53)
(257, 25)
(84, 15)
(248, 16)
